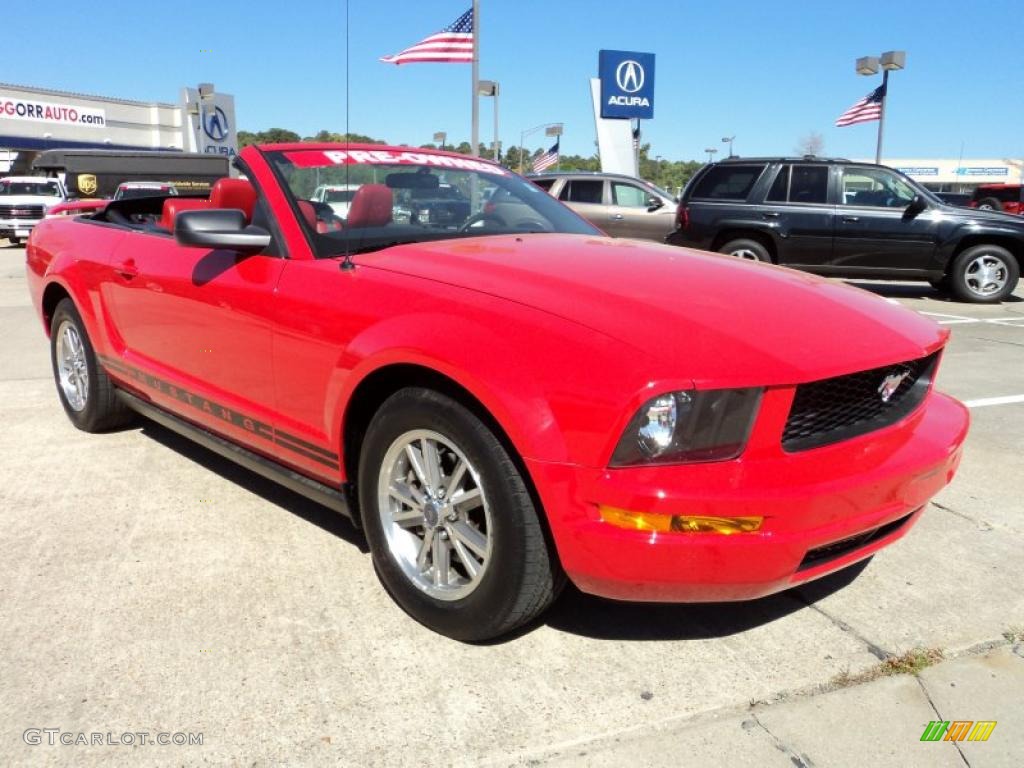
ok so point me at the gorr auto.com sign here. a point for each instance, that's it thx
(13, 108)
(627, 84)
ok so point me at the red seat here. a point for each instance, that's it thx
(175, 205)
(371, 206)
(234, 193)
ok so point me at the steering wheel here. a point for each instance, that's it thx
(531, 225)
(482, 217)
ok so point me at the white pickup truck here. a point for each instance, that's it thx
(24, 201)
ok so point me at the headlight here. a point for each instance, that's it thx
(710, 425)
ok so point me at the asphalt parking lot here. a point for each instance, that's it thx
(152, 586)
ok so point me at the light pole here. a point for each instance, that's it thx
(491, 88)
(550, 129)
(728, 140)
(441, 137)
(711, 153)
(868, 65)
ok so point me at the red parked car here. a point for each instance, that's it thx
(507, 399)
(1008, 198)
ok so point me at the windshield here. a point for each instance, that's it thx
(339, 195)
(43, 188)
(403, 197)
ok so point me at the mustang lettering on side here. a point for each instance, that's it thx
(499, 395)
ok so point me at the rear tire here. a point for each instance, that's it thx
(984, 274)
(748, 250)
(473, 569)
(85, 391)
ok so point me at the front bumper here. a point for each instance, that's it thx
(859, 495)
(17, 227)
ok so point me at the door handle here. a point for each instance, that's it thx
(770, 215)
(617, 217)
(851, 219)
(127, 269)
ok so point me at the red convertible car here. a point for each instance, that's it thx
(499, 395)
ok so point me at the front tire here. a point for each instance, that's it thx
(84, 389)
(989, 204)
(984, 274)
(455, 536)
(749, 250)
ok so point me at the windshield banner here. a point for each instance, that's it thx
(306, 158)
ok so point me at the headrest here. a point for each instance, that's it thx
(175, 205)
(371, 206)
(234, 193)
(308, 212)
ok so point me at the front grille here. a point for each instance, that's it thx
(837, 549)
(831, 410)
(27, 212)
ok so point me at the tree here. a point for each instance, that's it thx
(269, 136)
(811, 144)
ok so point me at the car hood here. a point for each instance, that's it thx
(713, 319)
(999, 218)
(44, 200)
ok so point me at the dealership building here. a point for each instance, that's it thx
(963, 175)
(36, 119)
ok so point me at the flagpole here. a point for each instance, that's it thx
(475, 132)
(881, 115)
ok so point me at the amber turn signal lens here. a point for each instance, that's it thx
(649, 521)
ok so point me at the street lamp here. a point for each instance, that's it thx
(441, 137)
(711, 152)
(728, 140)
(492, 88)
(550, 129)
(869, 65)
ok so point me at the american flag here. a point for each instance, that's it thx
(454, 43)
(864, 111)
(546, 160)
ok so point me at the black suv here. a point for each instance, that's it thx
(846, 219)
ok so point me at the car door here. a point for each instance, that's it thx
(631, 214)
(586, 197)
(875, 230)
(797, 207)
(193, 327)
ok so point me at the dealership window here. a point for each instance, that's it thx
(583, 191)
(628, 195)
(875, 187)
(728, 181)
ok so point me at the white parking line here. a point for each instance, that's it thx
(984, 401)
(1013, 321)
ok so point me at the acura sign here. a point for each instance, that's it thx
(627, 84)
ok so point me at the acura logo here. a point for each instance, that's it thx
(890, 384)
(629, 76)
(215, 124)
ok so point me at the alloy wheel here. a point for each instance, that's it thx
(434, 514)
(71, 366)
(986, 275)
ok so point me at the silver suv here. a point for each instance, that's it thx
(622, 206)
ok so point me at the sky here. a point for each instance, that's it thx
(767, 72)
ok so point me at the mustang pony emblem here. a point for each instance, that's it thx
(890, 384)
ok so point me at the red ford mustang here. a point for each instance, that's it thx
(496, 393)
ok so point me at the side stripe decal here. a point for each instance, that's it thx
(255, 426)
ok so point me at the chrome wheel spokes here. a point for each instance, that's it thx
(72, 369)
(435, 514)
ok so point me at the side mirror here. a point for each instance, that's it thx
(917, 205)
(654, 203)
(219, 228)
